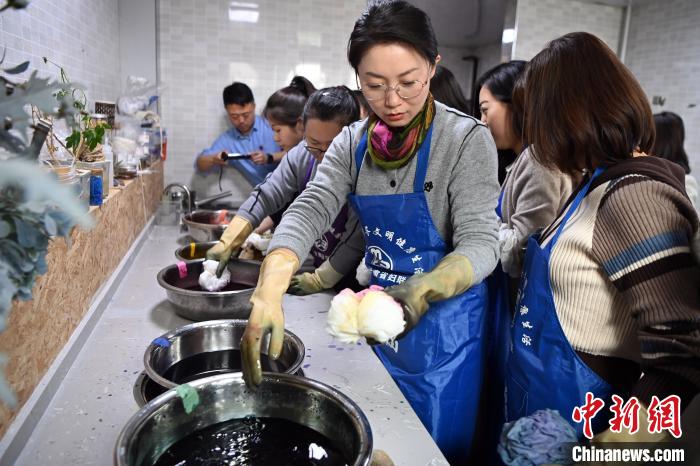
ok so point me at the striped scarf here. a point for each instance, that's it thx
(393, 148)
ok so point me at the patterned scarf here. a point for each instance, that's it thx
(393, 148)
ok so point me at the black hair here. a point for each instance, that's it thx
(361, 101)
(445, 89)
(238, 94)
(287, 104)
(670, 135)
(500, 81)
(332, 104)
(389, 22)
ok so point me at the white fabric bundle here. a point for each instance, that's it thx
(208, 279)
(259, 242)
(370, 313)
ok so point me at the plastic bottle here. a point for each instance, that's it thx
(96, 186)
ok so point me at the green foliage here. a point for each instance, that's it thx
(34, 207)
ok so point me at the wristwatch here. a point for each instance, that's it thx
(270, 158)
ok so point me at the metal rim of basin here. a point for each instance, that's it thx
(153, 349)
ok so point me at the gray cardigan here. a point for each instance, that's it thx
(532, 197)
(462, 201)
(279, 187)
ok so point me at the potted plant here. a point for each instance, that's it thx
(85, 141)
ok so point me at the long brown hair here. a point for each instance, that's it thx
(583, 108)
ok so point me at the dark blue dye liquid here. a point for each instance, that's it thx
(256, 442)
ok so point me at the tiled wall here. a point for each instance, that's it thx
(539, 21)
(663, 51)
(201, 51)
(80, 35)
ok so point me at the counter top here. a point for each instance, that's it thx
(95, 399)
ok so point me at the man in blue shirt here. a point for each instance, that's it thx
(250, 134)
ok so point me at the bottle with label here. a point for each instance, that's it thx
(96, 186)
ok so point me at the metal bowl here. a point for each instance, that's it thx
(186, 253)
(233, 302)
(163, 421)
(208, 348)
(145, 389)
(207, 225)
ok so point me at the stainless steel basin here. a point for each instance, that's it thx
(233, 302)
(199, 251)
(163, 421)
(207, 225)
(212, 347)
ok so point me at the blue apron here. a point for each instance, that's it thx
(325, 245)
(500, 315)
(438, 364)
(543, 370)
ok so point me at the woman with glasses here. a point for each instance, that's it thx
(421, 177)
(325, 114)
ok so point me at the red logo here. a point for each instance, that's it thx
(587, 412)
(663, 414)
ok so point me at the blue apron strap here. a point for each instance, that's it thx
(422, 166)
(574, 205)
(499, 206)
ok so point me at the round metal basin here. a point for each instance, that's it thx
(163, 421)
(209, 348)
(199, 251)
(193, 303)
(207, 225)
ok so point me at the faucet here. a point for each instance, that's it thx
(182, 187)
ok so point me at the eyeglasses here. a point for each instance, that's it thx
(315, 150)
(406, 90)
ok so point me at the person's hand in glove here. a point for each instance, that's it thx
(451, 276)
(276, 271)
(323, 278)
(231, 240)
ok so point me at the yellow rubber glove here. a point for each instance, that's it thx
(451, 276)
(276, 271)
(323, 278)
(235, 234)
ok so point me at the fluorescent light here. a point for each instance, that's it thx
(243, 16)
(243, 12)
(508, 35)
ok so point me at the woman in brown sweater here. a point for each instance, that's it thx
(610, 290)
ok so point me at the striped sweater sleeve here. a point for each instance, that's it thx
(642, 237)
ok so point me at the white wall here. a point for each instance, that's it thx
(80, 35)
(462, 70)
(663, 52)
(137, 40)
(201, 51)
(540, 21)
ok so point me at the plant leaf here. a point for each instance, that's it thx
(73, 140)
(21, 68)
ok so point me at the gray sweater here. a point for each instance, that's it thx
(279, 187)
(462, 201)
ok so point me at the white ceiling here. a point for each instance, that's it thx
(465, 23)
